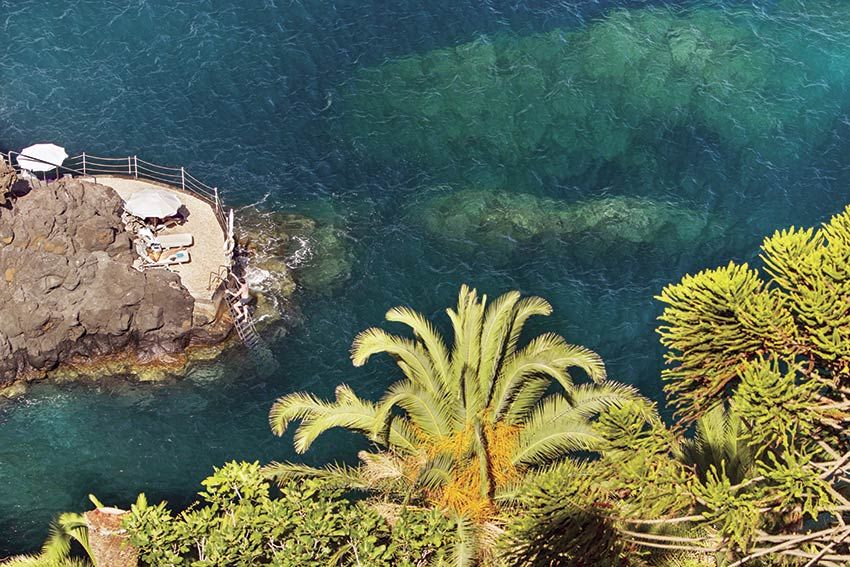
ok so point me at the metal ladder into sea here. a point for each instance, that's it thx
(246, 328)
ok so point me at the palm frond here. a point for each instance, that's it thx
(57, 546)
(430, 413)
(380, 467)
(591, 399)
(41, 561)
(498, 320)
(526, 308)
(55, 552)
(527, 395)
(719, 442)
(292, 407)
(465, 547)
(488, 537)
(555, 429)
(410, 356)
(556, 442)
(539, 358)
(336, 475)
(317, 416)
(575, 356)
(466, 353)
(425, 331)
(436, 472)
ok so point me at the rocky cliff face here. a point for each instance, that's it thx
(67, 288)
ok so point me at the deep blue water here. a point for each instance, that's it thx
(252, 98)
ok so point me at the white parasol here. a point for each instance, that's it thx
(152, 203)
(41, 157)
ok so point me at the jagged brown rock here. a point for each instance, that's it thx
(8, 177)
(67, 288)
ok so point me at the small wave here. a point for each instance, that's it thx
(302, 255)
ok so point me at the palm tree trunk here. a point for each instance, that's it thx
(486, 474)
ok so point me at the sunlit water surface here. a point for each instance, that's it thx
(250, 96)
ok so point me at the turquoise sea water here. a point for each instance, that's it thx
(736, 111)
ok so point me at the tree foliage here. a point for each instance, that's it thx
(759, 361)
(465, 423)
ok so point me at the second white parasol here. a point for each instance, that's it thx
(152, 203)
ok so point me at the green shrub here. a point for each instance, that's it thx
(238, 521)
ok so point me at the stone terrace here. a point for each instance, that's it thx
(207, 255)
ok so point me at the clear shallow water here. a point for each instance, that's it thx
(239, 94)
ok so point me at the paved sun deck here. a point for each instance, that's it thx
(207, 254)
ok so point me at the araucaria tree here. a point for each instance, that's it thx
(463, 424)
(762, 361)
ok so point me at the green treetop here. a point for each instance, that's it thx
(463, 424)
(761, 362)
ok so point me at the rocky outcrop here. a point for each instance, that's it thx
(286, 252)
(108, 541)
(67, 288)
(289, 249)
(7, 181)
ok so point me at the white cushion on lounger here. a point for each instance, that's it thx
(175, 240)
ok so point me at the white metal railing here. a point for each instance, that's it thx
(131, 166)
(87, 165)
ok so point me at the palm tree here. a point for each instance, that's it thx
(56, 551)
(720, 443)
(461, 425)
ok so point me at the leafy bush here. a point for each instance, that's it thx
(239, 522)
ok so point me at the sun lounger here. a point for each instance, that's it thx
(180, 257)
(175, 240)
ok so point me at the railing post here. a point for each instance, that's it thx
(84, 163)
(217, 204)
(136, 165)
(182, 178)
(129, 165)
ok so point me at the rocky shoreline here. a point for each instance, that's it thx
(72, 307)
(69, 293)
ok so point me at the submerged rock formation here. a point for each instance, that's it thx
(68, 291)
(723, 90)
(502, 223)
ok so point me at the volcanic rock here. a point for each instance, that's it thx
(68, 289)
(8, 177)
